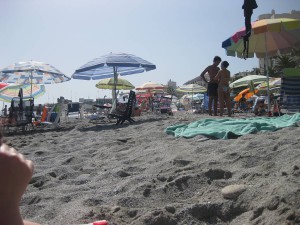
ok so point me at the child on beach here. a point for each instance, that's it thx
(212, 84)
(223, 78)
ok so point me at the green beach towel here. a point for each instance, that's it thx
(230, 127)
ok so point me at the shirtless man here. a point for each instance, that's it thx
(212, 87)
(223, 78)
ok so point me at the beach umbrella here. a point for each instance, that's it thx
(269, 37)
(195, 97)
(245, 81)
(112, 65)
(109, 83)
(273, 83)
(192, 88)
(11, 91)
(32, 72)
(2, 85)
(247, 92)
(151, 86)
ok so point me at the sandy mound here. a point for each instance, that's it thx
(137, 174)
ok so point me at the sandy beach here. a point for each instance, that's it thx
(137, 174)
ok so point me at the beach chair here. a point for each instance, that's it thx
(20, 114)
(126, 115)
(290, 91)
(50, 116)
(73, 109)
(165, 105)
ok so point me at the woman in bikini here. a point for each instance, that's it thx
(223, 78)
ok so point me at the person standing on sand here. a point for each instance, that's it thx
(212, 87)
(223, 78)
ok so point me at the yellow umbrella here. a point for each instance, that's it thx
(109, 84)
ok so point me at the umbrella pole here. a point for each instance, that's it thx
(192, 98)
(114, 102)
(267, 69)
(31, 83)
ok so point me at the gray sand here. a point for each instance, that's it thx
(137, 174)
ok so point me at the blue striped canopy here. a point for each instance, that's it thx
(112, 65)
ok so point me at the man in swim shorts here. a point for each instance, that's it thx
(212, 87)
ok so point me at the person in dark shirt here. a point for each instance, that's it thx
(248, 7)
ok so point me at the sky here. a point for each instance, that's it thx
(180, 37)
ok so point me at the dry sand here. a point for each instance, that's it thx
(137, 174)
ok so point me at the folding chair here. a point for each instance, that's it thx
(73, 108)
(50, 117)
(126, 115)
(290, 91)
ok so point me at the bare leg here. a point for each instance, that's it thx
(221, 101)
(210, 105)
(228, 103)
(215, 105)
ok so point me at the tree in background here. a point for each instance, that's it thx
(284, 61)
(296, 55)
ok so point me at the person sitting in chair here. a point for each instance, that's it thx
(260, 108)
(243, 103)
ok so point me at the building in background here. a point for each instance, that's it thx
(172, 84)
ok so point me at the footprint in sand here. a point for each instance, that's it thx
(218, 174)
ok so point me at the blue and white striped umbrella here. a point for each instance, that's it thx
(112, 65)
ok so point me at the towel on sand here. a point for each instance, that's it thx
(230, 127)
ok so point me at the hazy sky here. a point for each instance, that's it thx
(180, 36)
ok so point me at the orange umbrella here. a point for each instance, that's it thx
(247, 93)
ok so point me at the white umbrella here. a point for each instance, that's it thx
(245, 81)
